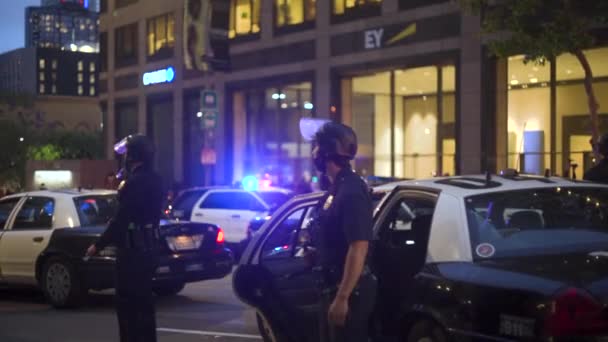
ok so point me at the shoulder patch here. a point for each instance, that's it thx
(328, 202)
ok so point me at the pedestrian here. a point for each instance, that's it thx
(134, 232)
(599, 172)
(341, 235)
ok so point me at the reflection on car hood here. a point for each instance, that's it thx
(544, 274)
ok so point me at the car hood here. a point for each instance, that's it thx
(542, 274)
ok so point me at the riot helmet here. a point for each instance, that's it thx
(135, 148)
(333, 142)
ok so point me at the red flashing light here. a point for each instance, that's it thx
(265, 183)
(220, 236)
(167, 212)
(575, 313)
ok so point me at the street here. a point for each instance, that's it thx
(204, 311)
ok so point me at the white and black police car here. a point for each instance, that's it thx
(45, 234)
(477, 258)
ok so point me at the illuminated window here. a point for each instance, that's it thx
(80, 90)
(293, 12)
(80, 77)
(80, 66)
(92, 91)
(92, 79)
(92, 67)
(54, 76)
(54, 64)
(161, 33)
(54, 89)
(42, 89)
(42, 63)
(41, 76)
(244, 17)
(344, 6)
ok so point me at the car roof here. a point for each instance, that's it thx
(464, 186)
(231, 188)
(69, 193)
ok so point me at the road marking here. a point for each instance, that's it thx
(208, 333)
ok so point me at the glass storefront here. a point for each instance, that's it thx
(160, 130)
(266, 132)
(530, 114)
(405, 121)
(125, 119)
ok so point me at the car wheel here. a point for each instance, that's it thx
(426, 331)
(267, 331)
(169, 289)
(60, 283)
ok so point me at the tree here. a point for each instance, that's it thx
(543, 30)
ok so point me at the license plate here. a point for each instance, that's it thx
(183, 243)
(194, 267)
(178, 213)
(163, 270)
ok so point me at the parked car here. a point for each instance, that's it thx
(44, 236)
(232, 209)
(488, 258)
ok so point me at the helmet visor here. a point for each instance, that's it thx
(310, 126)
(121, 146)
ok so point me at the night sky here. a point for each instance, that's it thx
(12, 23)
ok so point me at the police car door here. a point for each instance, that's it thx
(7, 207)
(402, 230)
(283, 256)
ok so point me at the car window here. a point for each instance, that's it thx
(538, 221)
(287, 235)
(95, 210)
(6, 207)
(409, 220)
(36, 213)
(187, 199)
(232, 200)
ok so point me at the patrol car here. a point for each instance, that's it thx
(45, 234)
(486, 257)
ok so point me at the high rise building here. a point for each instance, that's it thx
(62, 25)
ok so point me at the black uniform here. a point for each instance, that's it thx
(134, 231)
(345, 216)
(598, 173)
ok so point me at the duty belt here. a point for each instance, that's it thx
(142, 237)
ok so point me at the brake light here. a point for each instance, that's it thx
(574, 313)
(220, 236)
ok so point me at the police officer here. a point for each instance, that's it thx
(134, 232)
(342, 235)
(599, 172)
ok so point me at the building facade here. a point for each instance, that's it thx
(411, 77)
(64, 26)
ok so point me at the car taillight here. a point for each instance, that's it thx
(573, 312)
(220, 236)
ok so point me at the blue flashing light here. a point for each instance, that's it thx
(86, 3)
(308, 105)
(159, 76)
(315, 179)
(250, 183)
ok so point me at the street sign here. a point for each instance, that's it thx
(208, 156)
(208, 99)
(209, 119)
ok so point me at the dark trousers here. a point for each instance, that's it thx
(361, 305)
(134, 298)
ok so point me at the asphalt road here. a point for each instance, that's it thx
(204, 311)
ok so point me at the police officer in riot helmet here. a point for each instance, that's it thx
(341, 235)
(134, 232)
(599, 172)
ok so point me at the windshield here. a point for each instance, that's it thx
(95, 210)
(186, 200)
(273, 198)
(538, 221)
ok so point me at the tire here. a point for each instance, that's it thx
(60, 283)
(426, 331)
(169, 289)
(267, 331)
